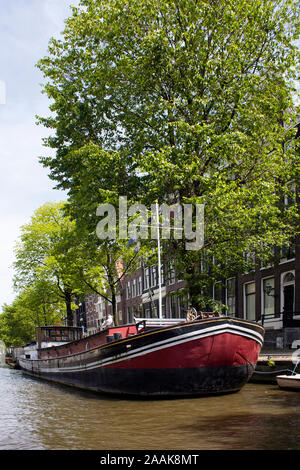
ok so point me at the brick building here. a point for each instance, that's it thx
(270, 294)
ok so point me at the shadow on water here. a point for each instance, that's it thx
(261, 418)
(248, 431)
(115, 396)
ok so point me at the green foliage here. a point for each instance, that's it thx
(36, 305)
(16, 324)
(186, 101)
(16, 327)
(46, 255)
(59, 258)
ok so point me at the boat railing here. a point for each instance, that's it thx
(157, 322)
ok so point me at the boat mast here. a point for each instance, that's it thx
(159, 262)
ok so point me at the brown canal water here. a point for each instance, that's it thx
(38, 415)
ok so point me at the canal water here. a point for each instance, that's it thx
(38, 415)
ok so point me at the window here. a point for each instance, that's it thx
(183, 306)
(147, 312)
(230, 296)
(249, 258)
(268, 259)
(289, 277)
(140, 310)
(218, 291)
(135, 311)
(128, 290)
(139, 286)
(163, 307)
(287, 252)
(172, 306)
(171, 274)
(147, 278)
(250, 300)
(134, 288)
(162, 274)
(288, 294)
(155, 311)
(153, 276)
(205, 263)
(129, 318)
(268, 286)
(46, 334)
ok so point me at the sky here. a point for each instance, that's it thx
(26, 26)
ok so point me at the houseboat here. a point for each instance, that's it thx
(209, 354)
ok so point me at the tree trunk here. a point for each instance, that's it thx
(68, 302)
(114, 308)
(192, 273)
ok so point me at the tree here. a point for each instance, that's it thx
(47, 256)
(185, 101)
(104, 266)
(16, 326)
(59, 259)
(36, 305)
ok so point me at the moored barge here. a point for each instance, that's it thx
(211, 354)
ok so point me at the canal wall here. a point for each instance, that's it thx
(272, 363)
(281, 339)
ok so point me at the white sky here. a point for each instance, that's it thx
(26, 27)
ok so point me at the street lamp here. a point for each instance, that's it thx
(268, 289)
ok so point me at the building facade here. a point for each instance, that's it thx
(269, 294)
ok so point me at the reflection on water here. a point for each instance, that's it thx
(40, 415)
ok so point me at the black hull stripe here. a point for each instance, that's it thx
(138, 382)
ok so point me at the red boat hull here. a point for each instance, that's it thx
(197, 358)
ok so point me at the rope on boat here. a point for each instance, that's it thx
(293, 372)
(273, 371)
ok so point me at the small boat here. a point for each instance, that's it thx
(209, 354)
(289, 382)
